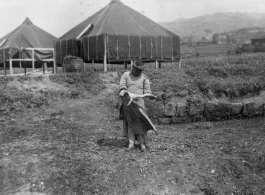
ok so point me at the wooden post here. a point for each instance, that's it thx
(180, 63)
(105, 54)
(53, 68)
(25, 69)
(156, 64)
(10, 65)
(93, 65)
(125, 65)
(131, 64)
(64, 69)
(43, 67)
(160, 65)
(33, 62)
(24, 64)
(5, 62)
(54, 63)
(20, 59)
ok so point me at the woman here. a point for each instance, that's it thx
(136, 123)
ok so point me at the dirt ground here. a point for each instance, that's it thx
(75, 146)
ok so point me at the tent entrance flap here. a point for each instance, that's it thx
(86, 31)
(3, 42)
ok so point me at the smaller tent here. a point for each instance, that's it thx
(17, 47)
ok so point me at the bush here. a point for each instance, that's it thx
(259, 47)
(170, 77)
(217, 72)
(236, 76)
(87, 81)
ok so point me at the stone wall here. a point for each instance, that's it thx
(184, 108)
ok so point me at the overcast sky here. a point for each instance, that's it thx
(59, 16)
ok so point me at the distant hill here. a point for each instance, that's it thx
(220, 22)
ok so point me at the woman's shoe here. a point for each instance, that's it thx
(142, 148)
(130, 147)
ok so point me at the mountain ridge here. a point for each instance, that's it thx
(219, 22)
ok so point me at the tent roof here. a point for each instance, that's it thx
(27, 35)
(117, 19)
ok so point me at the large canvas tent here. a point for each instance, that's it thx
(117, 33)
(26, 46)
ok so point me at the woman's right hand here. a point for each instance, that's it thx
(122, 92)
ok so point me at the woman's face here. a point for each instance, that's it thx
(136, 72)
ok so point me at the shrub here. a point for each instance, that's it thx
(217, 72)
(87, 81)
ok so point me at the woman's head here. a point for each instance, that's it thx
(137, 67)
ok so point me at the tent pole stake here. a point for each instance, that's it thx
(4, 61)
(105, 53)
(54, 62)
(93, 64)
(179, 62)
(10, 65)
(156, 64)
(33, 63)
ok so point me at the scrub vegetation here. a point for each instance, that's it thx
(60, 134)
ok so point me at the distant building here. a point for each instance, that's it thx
(204, 41)
(258, 40)
(223, 38)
